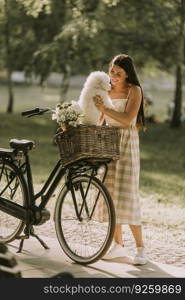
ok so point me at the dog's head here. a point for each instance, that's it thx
(98, 80)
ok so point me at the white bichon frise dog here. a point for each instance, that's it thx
(97, 83)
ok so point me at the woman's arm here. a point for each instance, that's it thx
(131, 111)
(101, 119)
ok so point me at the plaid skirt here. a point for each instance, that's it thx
(122, 180)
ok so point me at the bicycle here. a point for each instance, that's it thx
(81, 231)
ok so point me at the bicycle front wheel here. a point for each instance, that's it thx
(84, 219)
(12, 188)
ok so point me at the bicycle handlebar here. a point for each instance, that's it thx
(34, 112)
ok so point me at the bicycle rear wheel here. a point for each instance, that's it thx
(12, 188)
(85, 236)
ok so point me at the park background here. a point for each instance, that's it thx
(48, 47)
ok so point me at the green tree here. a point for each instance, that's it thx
(76, 36)
(61, 43)
(180, 60)
(17, 42)
(8, 58)
(150, 31)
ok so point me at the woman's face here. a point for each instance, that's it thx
(117, 75)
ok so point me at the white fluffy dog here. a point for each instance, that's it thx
(97, 83)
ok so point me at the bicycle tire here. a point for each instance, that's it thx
(11, 227)
(101, 231)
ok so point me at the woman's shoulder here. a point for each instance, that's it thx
(135, 89)
(135, 93)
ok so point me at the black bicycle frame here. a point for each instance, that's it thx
(52, 182)
(50, 185)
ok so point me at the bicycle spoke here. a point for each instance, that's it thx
(84, 239)
(8, 186)
(1, 172)
(12, 190)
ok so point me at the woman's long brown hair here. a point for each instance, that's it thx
(126, 63)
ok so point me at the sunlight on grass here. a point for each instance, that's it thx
(169, 189)
(163, 162)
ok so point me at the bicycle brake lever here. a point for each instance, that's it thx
(35, 114)
(41, 112)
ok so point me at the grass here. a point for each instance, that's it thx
(41, 130)
(162, 148)
(29, 97)
(163, 162)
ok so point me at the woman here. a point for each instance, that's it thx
(123, 175)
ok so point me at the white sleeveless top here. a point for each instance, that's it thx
(120, 105)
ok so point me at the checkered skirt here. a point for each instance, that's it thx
(122, 180)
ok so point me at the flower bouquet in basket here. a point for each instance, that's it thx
(67, 115)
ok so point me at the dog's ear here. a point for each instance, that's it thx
(105, 84)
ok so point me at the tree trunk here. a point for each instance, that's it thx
(10, 93)
(176, 119)
(8, 58)
(65, 83)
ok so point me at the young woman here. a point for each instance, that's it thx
(123, 175)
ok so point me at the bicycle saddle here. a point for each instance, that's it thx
(23, 145)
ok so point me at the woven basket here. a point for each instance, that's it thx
(85, 141)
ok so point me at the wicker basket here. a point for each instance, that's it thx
(85, 141)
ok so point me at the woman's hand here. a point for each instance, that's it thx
(98, 101)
